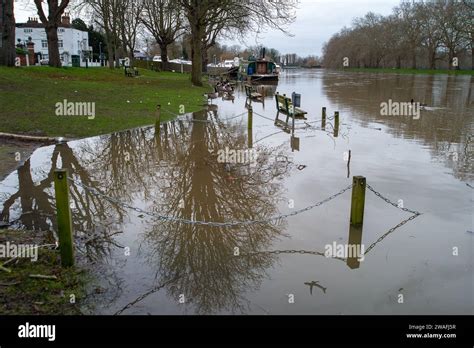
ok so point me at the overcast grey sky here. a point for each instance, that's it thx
(316, 21)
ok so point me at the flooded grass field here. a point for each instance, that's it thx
(142, 202)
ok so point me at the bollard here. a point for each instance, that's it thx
(63, 210)
(358, 200)
(250, 118)
(323, 119)
(158, 118)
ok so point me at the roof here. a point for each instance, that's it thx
(39, 25)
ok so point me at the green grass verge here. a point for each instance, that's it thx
(28, 97)
(22, 295)
(411, 71)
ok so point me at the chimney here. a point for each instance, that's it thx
(31, 51)
(66, 20)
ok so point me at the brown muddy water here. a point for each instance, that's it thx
(145, 265)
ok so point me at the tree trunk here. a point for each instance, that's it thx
(399, 62)
(196, 53)
(413, 59)
(110, 51)
(472, 50)
(7, 34)
(53, 48)
(164, 56)
(433, 59)
(205, 60)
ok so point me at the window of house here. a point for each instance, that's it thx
(61, 30)
(28, 30)
(60, 43)
(44, 43)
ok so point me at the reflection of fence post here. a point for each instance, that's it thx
(64, 217)
(358, 200)
(323, 118)
(158, 118)
(336, 123)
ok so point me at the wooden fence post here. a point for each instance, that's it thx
(358, 200)
(336, 124)
(250, 118)
(323, 118)
(64, 217)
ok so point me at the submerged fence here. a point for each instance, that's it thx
(356, 214)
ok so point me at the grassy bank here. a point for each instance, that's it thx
(21, 294)
(411, 71)
(28, 97)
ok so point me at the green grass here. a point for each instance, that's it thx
(22, 295)
(411, 71)
(28, 97)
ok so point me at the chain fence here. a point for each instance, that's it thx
(414, 215)
(173, 219)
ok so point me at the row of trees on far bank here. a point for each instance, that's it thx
(429, 34)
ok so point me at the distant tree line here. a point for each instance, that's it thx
(429, 34)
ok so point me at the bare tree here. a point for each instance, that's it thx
(451, 20)
(163, 19)
(130, 12)
(51, 22)
(209, 18)
(431, 35)
(107, 15)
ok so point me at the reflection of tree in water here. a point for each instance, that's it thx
(37, 210)
(175, 173)
(199, 261)
(446, 131)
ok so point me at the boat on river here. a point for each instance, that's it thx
(258, 70)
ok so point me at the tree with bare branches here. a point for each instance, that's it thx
(51, 22)
(210, 18)
(163, 19)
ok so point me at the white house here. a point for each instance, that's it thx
(71, 42)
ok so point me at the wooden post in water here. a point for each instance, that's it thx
(158, 118)
(250, 118)
(323, 118)
(358, 200)
(63, 210)
(336, 124)
(355, 245)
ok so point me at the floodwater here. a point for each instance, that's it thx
(144, 265)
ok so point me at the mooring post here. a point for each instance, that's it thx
(336, 123)
(158, 118)
(323, 118)
(358, 200)
(63, 210)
